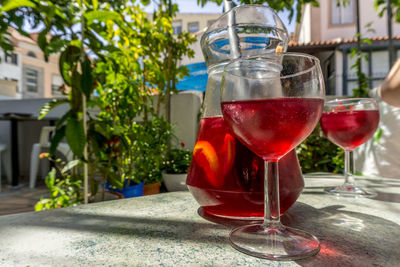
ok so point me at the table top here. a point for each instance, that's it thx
(166, 230)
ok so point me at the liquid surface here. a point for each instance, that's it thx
(272, 127)
(227, 179)
(349, 128)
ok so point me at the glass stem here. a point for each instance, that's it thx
(271, 195)
(348, 167)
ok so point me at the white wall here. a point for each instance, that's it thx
(185, 108)
(198, 55)
(305, 29)
(367, 14)
(339, 72)
(11, 71)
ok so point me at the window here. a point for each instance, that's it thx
(380, 63)
(177, 27)
(342, 12)
(56, 82)
(376, 69)
(31, 54)
(352, 72)
(11, 58)
(331, 75)
(193, 27)
(31, 77)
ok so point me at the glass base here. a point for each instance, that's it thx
(205, 213)
(350, 190)
(279, 243)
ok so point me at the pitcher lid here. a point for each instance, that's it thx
(256, 29)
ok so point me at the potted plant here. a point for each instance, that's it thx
(150, 143)
(175, 169)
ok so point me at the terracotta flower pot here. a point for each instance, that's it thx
(151, 189)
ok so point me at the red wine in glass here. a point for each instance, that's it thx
(349, 128)
(271, 103)
(272, 127)
(227, 179)
(349, 123)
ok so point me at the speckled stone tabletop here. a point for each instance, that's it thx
(166, 230)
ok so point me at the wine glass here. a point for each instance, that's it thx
(349, 123)
(271, 103)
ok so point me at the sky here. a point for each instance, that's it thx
(190, 6)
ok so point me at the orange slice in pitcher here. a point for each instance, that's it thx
(228, 154)
(206, 157)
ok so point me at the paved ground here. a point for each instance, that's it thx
(21, 199)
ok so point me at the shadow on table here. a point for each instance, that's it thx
(347, 238)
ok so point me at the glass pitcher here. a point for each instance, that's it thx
(225, 177)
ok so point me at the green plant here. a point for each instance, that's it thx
(357, 53)
(145, 62)
(113, 48)
(150, 143)
(318, 154)
(64, 185)
(177, 160)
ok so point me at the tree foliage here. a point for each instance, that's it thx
(318, 154)
(381, 8)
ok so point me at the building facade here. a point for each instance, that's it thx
(329, 32)
(24, 73)
(195, 23)
(197, 80)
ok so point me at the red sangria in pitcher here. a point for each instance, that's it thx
(225, 177)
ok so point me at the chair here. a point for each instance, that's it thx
(44, 143)
(7, 167)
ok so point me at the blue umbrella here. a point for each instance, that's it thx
(197, 80)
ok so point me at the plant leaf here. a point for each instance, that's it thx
(51, 178)
(75, 136)
(42, 42)
(377, 135)
(87, 79)
(63, 119)
(58, 136)
(95, 4)
(70, 165)
(145, 2)
(67, 58)
(102, 16)
(12, 4)
(47, 107)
